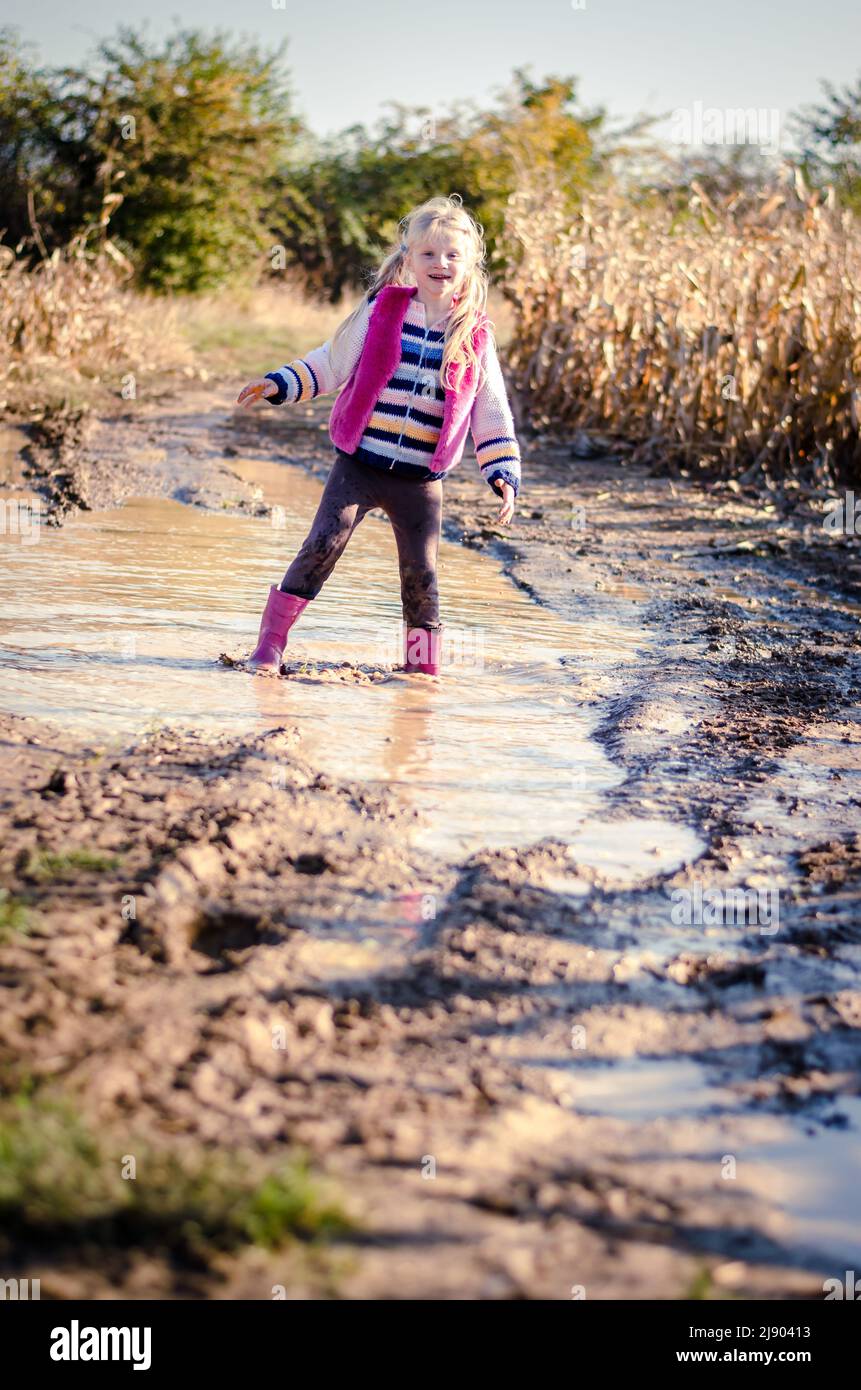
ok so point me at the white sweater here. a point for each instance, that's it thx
(404, 427)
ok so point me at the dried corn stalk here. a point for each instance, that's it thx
(72, 315)
(727, 340)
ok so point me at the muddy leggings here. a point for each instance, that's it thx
(415, 511)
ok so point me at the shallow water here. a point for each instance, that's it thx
(115, 622)
(812, 1179)
(803, 1174)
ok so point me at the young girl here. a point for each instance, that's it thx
(421, 368)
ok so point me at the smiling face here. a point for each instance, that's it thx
(439, 262)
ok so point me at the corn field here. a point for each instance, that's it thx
(72, 318)
(722, 340)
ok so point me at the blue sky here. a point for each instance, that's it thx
(347, 57)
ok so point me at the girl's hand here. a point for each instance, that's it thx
(255, 390)
(506, 511)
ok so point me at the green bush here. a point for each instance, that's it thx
(170, 144)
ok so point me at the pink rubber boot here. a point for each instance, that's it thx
(280, 614)
(422, 649)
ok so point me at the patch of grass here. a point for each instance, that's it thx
(247, 332)
(60, 1182)
(47, 865)
(15, 917)
(290, 1201)
(702, 1287)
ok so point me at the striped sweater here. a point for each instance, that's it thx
(404, 428)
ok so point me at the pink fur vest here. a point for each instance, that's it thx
(379, 360)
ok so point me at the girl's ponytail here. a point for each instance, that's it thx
(389, 273)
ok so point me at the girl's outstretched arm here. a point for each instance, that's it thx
(318, 373)
(492, 426)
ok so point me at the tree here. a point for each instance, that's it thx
(830, 137)
(337, 204)
(174, 144)
(26, 115)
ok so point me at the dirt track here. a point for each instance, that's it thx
(452, 1049)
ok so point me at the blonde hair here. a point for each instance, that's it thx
(469, 310)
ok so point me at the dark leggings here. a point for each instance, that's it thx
(415, 511)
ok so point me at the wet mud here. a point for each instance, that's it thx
(542, 1064)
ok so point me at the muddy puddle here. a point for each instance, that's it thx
(802, 1176)
(114, 624)
(704, 1041)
